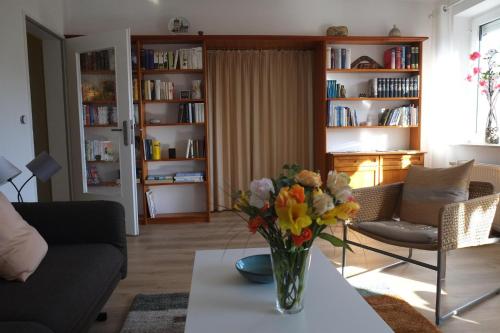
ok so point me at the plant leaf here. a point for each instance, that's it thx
(335, 241)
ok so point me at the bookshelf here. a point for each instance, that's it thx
(372, 152)
(158, 119)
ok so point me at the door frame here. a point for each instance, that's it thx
(56, 99)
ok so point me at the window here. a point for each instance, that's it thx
(489, 38)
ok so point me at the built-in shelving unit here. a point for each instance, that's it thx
(370, 150)
(175, 202)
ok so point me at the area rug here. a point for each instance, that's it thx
(166, 313)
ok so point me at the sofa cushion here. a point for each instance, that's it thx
(427, 190)
(67, 290)
(21, 246)
(401, 231)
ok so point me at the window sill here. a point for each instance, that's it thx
(482, 145)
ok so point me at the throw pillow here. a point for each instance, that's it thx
(21, 246)
(427, 190)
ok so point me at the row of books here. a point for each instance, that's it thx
(340, 116)
(338, 58)
(395, 87)
(402, 116)
(157, 90)
(99, 115)
(333, 89)
(402, 57)
(191, 113)
(179, 177)
(195, 148)
(191, 58)
(96, 150)
(97, 60)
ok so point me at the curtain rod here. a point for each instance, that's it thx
(453, 4)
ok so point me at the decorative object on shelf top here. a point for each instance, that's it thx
(365, 62)
(395, 32)
(489, 84)
(290, 212)
(340, 30)
(178, 25)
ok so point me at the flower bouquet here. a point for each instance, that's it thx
(290, 212)
(489, 83)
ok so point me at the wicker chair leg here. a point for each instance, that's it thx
(443, 265)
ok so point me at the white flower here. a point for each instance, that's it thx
(337, 181)
(343, 194)
(260, 191)
(338, 185)
(322, 203)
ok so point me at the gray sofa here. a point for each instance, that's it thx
(86, 259)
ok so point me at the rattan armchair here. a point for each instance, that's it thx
(462, 224)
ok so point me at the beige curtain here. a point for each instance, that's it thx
(261, 115)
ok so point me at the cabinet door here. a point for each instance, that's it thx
(361, 176)
(363, 169)
(101, 123)
(394, 168)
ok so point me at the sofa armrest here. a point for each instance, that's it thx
(78, 222)
(467, 223)
(378, 202)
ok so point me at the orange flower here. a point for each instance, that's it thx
(308, 178)
(255, 223)
(297, 192)
(304, 236)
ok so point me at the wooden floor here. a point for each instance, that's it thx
(161, 260)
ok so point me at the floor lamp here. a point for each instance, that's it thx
(42, 167)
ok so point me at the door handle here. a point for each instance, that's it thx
(125, 130)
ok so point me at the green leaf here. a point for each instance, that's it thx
(335, 241)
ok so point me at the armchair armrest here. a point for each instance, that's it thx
(467, 223)
(378, 202)
(78, 222)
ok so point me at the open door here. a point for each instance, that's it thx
(101, 121)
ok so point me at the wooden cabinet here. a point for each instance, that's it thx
(372, 170)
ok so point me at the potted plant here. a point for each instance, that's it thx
(290, 212)
(489, 83)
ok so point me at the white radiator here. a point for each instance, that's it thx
(489, 173)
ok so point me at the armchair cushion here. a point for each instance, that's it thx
(401, 231)
(427, 190)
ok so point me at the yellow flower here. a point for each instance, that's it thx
(308, 178)
(292, 215)
(343, 212)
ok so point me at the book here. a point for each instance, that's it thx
(328, 57)
(151, 204)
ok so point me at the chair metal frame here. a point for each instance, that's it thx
(440, 270)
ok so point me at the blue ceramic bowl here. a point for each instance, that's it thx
(257, 269)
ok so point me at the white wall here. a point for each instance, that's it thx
(284, 17)
(16, 140)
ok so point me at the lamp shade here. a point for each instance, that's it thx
(8, 170)
(43, 166)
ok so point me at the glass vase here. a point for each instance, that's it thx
(491, 133)
(290, 269)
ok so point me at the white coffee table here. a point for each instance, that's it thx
(222, 301)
